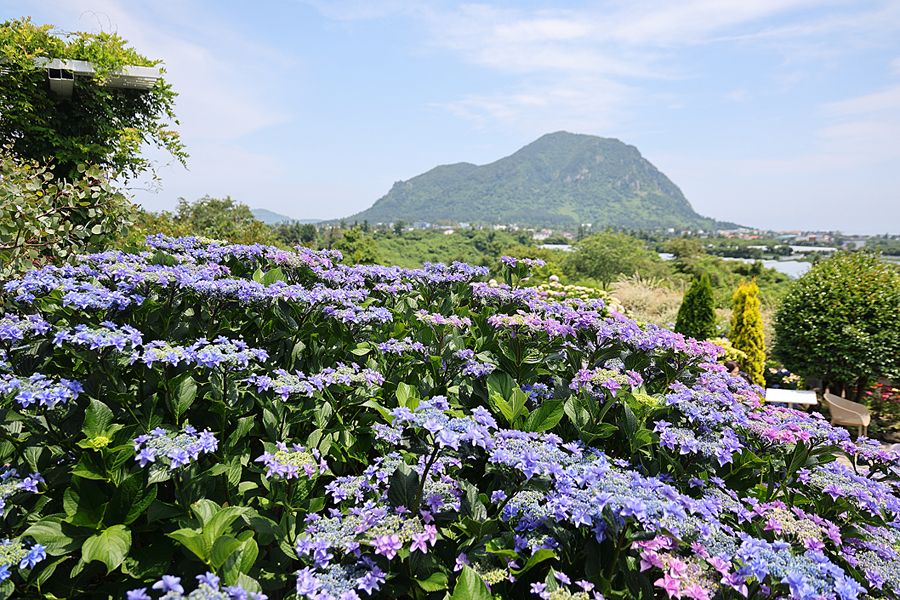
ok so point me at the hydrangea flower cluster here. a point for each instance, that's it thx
(780, 425)
(39, 389)
(12, 553)
(530, 262)
(404, 346)
(839, 481)
(471, 367)
(233, 355)
(602, 383)
(439, 319)
(340, 582)
(287, 463)
(15, 329)
(537, 392)
(721, 445)
(299, 384)
(562, 591)
(180, 449)
(11, 483)
(531, 323)
(877, 556)
(208, 588)
(108, 335)
(448, 431)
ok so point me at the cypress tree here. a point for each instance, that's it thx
(697, 315)
(747, 330)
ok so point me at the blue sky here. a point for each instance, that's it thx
(781, 114)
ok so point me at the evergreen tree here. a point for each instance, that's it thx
(747, 330)
(697, 315)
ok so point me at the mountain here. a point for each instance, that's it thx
(560, 179)
(270, 218)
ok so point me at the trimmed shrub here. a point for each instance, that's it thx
(697, 315)
(746, 332)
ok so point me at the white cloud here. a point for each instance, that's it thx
(887, 100)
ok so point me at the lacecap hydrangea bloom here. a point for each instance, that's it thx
(178, 449)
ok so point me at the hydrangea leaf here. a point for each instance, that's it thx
(110, 547)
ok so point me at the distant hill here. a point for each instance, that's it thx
(562, 179)
(270, 218)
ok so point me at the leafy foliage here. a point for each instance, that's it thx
(98, 125)
(840, 322)
(358, 247)
(697, 315)
(209, 217)
(268, 421)
(746, 332)
(605, 256)
(43, 220)
(293, 234)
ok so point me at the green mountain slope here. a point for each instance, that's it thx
(560, 179)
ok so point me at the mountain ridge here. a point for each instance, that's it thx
(559, 179)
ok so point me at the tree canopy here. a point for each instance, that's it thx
(840, 322)
(605, 255)
(215, 218)
(100, 125)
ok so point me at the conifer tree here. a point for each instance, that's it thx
(747, 330)
(697, 315)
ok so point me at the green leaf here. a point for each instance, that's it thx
(185, 394)
(222, 520)
(407, 396)
(517, 404)
(272, 276)
(501, 383)
(404, 486)
(160, 511)
(544, 417)
(97, 417)
(470, 586)
(110, 547)
(642, 437)
(205, 509)
(538, 557)
(500, 406)
(222, 549)
(90, 466)
(57, 536)
(132, 497)
(241, 560)
(193, 541)
(436, 582)
(84, 503)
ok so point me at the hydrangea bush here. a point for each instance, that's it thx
(273, 424)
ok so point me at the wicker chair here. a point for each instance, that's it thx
(845, 412)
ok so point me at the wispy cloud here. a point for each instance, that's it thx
(878, 102)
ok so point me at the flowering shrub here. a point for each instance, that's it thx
(276, 424)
